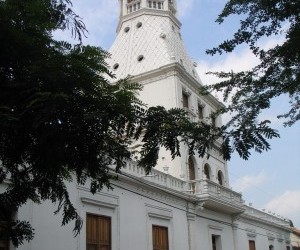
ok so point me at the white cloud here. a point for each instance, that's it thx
(249, 182)
(184, 7)
(286, 204)
(235, 61)
(99, 16)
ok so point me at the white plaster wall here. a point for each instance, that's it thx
(160, 93)
(131, 221)
(263, 235)
(205, 228)
(133, 209)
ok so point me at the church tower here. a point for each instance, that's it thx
(149, 47)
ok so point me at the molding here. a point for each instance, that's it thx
(98, 203)
(98, 199)
(159, 212)
(175, 69)
(190, 216)
(216, 228)
(251, 233)
(271, 237)
(200, 206)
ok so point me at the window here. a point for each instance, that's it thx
(139, 25)
(207, 171)
(213, 121)
(216, 242)
(192, 173)
(185, 100)
(98, 232)
(200, 112)
(220, 178)
(271, 247)
(126, 30)
(288, 248)
(133, 6)
(160, 238)
(252, 245)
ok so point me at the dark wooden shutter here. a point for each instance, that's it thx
(251, 245)
(160, 238)
(98, 232)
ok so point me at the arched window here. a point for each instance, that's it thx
(192, 172)
(271, 247)
(207, 171)
(220, 177)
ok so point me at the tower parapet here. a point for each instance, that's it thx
(131, 6)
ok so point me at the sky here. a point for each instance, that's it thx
(270, 180)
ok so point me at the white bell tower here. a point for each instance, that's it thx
(149, 47)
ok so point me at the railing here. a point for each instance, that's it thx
(155, 176)
(201, 188)
(211, 189)
(266, 215)
(133, 6)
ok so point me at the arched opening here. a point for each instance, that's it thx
(271, 247)
(220, 178)
(207, 171)
(192, 174)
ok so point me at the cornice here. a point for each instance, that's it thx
(175, 69)
(265, 221)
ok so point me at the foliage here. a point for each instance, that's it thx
(250, 92)
(61, 119)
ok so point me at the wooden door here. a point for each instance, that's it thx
(160, 238)
(98, 232)
(251, 245)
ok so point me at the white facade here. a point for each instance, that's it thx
(196, 209)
